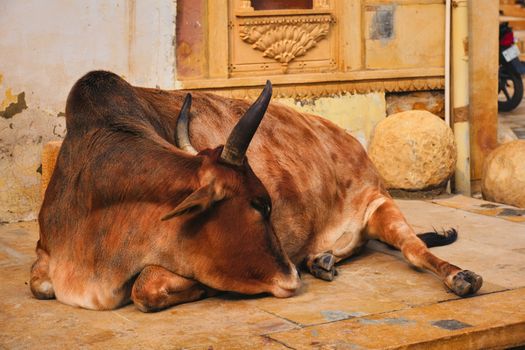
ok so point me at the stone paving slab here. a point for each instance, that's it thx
(27, 322)
(483, 207)
(488, 321)
(487, 229)
(377, 300)
(369, 284)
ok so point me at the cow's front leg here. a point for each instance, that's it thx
(40, 283)
(388, 225)
(322, 265)
(157, 288)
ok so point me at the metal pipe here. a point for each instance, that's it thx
(460, 94)
(448, 5)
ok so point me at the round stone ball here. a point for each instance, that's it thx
(413, 150)
(503, 177)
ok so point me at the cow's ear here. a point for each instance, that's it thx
(197, 202)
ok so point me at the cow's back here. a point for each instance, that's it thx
(315, 172)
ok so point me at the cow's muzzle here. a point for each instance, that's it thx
(285, 286)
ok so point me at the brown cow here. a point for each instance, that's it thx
(101, 238)
(118, 173)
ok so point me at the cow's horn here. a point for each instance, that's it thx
(182, 137)
(242, 134)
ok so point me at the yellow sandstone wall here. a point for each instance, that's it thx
(357, 113)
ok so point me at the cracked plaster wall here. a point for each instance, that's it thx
(45, 46)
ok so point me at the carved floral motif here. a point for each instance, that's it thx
(306, 91)
(284, 39)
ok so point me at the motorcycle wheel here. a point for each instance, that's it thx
(510, 90)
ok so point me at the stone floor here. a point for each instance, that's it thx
(377, 301)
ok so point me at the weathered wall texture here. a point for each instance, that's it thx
(357, 113)
(408, 34)
(432, 101)
(45, 46)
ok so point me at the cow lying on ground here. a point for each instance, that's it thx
(133, 212)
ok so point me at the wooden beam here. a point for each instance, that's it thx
(218, 38)
(483, 48)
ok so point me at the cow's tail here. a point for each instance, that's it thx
(437, 239)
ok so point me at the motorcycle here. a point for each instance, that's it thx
(510, 85)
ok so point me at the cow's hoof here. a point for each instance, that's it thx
(466, 282)
(323, 267)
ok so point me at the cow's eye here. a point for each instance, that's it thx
(263, 206)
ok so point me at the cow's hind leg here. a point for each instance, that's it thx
(40, 283)
(388, 225)
(157, 288)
